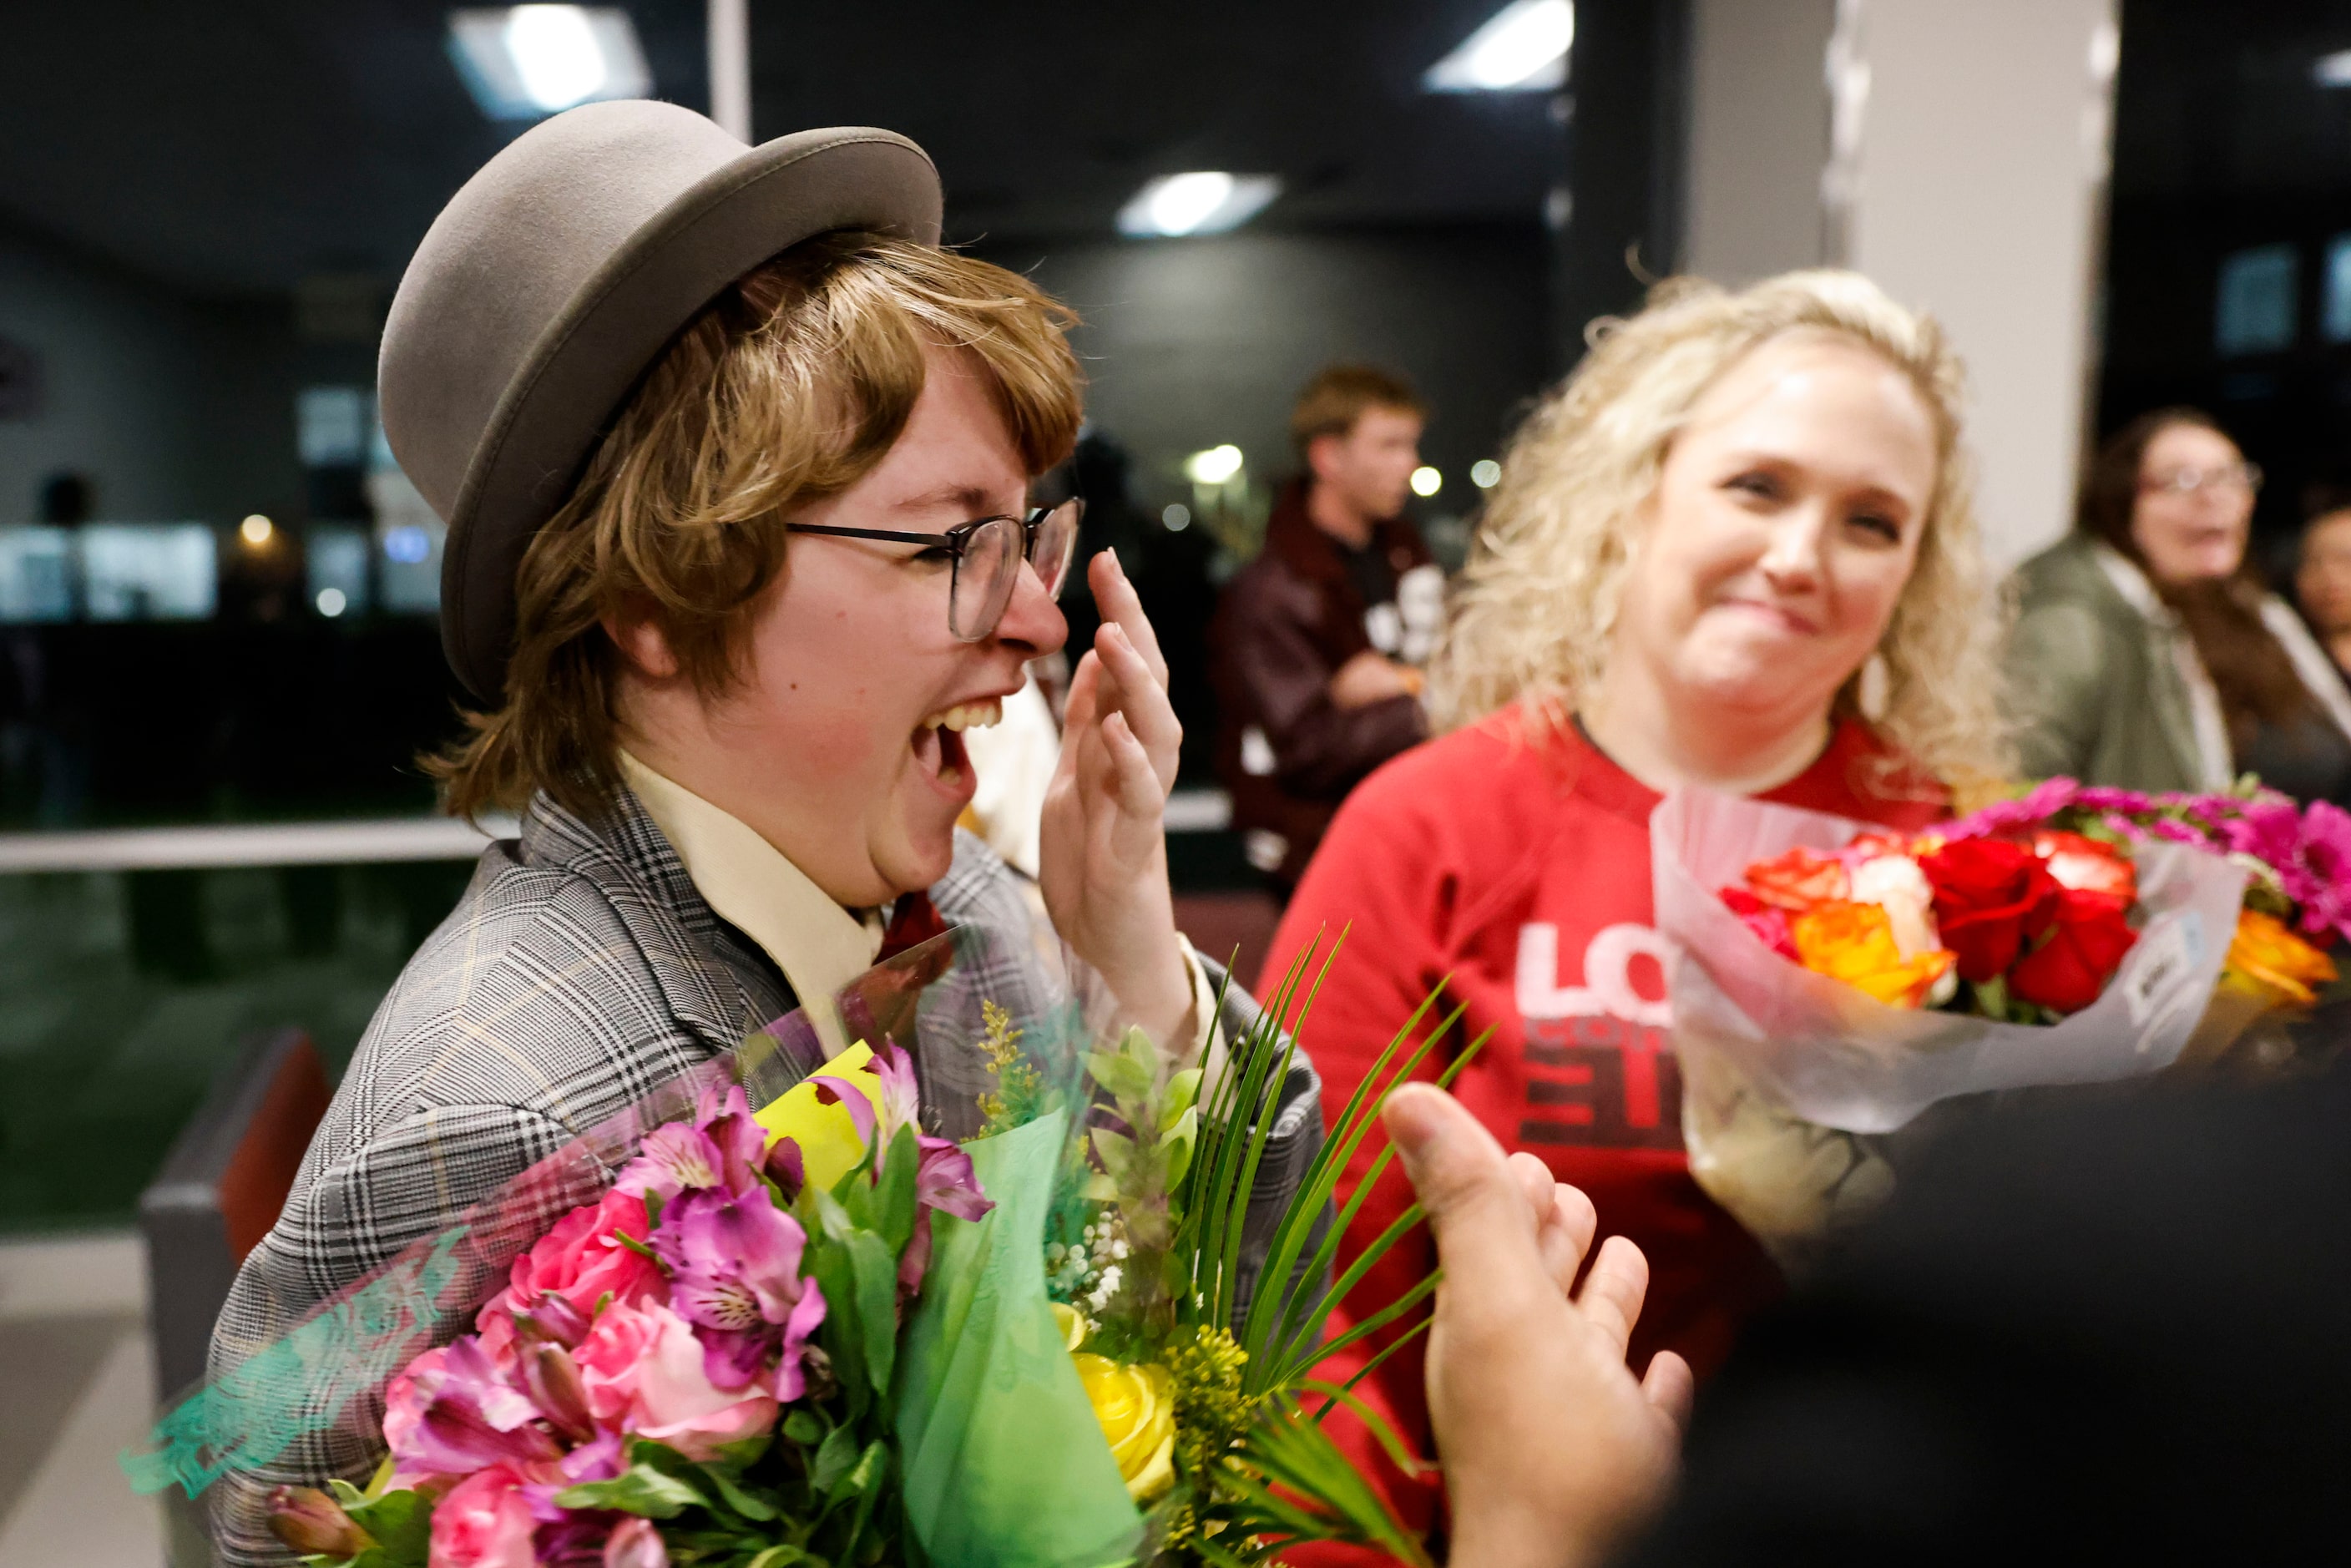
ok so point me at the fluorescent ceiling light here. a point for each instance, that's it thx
(1206, 202)
(2335, 69)
(1522, 47)
(525, 62)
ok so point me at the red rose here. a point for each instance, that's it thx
(2086, 944)
(1990, 895)
(2089, 865)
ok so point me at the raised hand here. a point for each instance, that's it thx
(1551, 1450)
(1102, 860)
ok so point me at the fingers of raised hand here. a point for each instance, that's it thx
(1669, 1387)
(1114, 595)
(1476, 1206)
(1134, 778)
(1085, 697)
(1143, 697)
(1568, 1227)
(1613, 1291)
(1534, 1180)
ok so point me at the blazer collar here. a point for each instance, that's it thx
(622, 852)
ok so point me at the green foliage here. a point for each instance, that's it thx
(1991, 999)
(399, 1521)
(1255, 1472)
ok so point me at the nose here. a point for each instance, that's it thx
(1791, 558)
(1031, 622)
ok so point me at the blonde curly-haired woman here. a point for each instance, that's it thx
(1736, 550)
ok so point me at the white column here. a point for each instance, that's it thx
(729, 40)
(1759, 137)
(1959, 156)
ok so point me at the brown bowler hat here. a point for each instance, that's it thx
(553, 279)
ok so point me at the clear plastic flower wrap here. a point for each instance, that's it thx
(997, 1285)
(1792, 1078)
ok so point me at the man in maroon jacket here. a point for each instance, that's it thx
(1317, 643)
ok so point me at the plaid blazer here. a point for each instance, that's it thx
(581, 971)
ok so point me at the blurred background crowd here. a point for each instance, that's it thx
(1326, 261)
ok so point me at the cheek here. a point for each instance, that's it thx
(1870, 591)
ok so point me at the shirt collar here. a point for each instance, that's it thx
(2130, 582)
(819, 946)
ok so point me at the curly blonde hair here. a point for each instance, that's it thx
(1535, 612)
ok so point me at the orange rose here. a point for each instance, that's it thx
(1854, 943)
(2272, 956)
(1798, 880)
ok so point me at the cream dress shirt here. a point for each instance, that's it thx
(819, 945)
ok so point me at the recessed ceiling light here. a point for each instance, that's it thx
(2335, 69)
(1522, 47)
(1213, 467)
(525, 62)
(1204, 202)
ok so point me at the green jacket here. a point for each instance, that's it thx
(2095, 687)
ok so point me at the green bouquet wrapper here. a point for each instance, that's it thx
(1005, 1462)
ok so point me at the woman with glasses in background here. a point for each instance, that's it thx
(2147, 652)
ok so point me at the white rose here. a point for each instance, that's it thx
(1896, 885)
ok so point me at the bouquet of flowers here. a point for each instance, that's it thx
(782, 1321)
(1832, 981)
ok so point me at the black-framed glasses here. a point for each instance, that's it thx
(987, 554)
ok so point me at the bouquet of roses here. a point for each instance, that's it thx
(2024, 911)
(1833, 981)
(780, 1320)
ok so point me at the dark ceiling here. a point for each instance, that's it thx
(2217, 99)
(237, 147)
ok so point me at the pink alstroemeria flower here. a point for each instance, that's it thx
(455, 1411)
(901, 1098)
(947, 1182)
(723, 1148)
(735, 1265)
(575, 1540)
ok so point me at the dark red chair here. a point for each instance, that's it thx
(221, 1189)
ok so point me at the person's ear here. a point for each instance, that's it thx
(1322, 455)
(642, 642)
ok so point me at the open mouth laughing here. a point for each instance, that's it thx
(938, 740)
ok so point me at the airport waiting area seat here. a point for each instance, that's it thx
(219, 1191)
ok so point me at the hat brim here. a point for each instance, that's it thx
(581, 368)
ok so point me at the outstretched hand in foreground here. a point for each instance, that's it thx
(1552, 1452)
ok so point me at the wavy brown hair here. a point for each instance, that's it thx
(786, 390)
(1536, 612)
(2256, 681)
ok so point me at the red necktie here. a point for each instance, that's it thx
(912, 922)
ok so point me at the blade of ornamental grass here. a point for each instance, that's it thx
(1412, 1331)
(1230, 1174)
(1337, 1393)
(1321, 1183)
(1299, 1333)
(1300, 1456)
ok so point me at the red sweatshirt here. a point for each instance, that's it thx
(1518, 866)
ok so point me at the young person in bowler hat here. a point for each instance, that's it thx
(735, 465)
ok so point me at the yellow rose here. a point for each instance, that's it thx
(2276, 960)
(1854, 943)
(1136, 1408)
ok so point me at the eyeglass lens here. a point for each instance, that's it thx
(2188, 481)
(991, 567)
